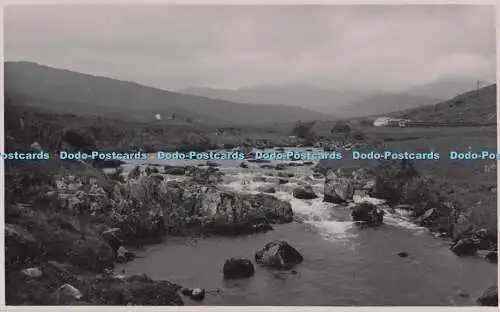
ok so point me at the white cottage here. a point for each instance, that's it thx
(381, 121)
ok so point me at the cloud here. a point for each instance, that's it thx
(357, 46)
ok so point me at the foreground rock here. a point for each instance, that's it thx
(337, 189)
(64, 284)
(489, 297)
(368, 213)
(305, 192)
(238, 268)
(471, 241)
(278, 255)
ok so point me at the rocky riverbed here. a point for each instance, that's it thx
(277, 216)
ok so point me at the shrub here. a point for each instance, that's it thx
(340, 127)
(304, 130)
(358, 135)
(391, 178)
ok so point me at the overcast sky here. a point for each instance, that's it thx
(172, 47)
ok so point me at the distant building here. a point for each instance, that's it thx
(381, 121)
(390, 122)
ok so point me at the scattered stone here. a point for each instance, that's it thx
(175, 170)
(428, 216)
(281, 166)
(369, 185)
(279, 255)
(198, 294)
(259, 179)
(244, 165)
(238, 268)
(305, 192)
(124, 255)
(492, 256)
(32, 272)
(404, 207)
(403, 254)
(282, 181)
(489, 297)
(66, 294)
(266, 189)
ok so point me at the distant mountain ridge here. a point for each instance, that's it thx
(342, 103)
(71, 92)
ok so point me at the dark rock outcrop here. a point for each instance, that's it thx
(278, 255)
(489, 297)
(21, 247)
(238, 268)
(222, 212)
(305, 192)
(368, 213)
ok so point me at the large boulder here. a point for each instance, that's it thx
(489, 297)
(279, 255)
(368, 213)
(337, 189)
(238, 268)
(305, 192)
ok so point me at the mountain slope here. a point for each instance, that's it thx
(383, 104)
(478, 106)
(446, 88)
(64, 90)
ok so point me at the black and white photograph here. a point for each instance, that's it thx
(250, 155)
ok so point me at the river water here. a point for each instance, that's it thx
(344, 265)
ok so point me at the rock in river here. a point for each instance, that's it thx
(279, 255)
(465, 247)
(238, 268)
(367, 212)
(337, 190)
(305, 192)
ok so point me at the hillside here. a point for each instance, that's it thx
(70, 92)
(383, 104)
(473, 106)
